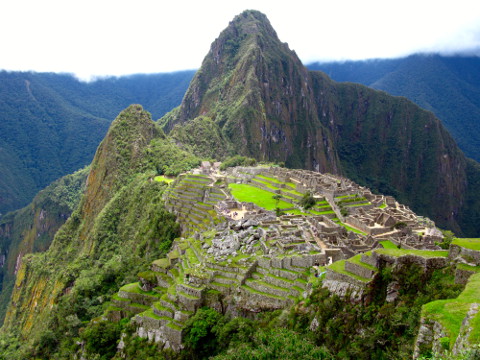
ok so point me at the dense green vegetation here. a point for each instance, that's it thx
(450, 313)
(119, 227)
(237, 160)
(31, 229)
(447, 85)
(202, 137)
(51, 124)
(307, 201)
(377, 329)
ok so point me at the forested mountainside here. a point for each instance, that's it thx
(51, 124)
(32, 228)
(447, 85)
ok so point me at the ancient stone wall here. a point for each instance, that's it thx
(359, 270)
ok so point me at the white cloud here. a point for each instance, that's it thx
(120, 37)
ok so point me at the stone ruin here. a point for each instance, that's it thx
(239, 258)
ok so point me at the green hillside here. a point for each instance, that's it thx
(447, 85)
(51, 124)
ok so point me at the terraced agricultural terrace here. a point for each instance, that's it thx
(249, 246)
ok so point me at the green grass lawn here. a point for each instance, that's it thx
(262, 198)
(473, 244)
(321, 212)
(361, 204)
(423, 253)
(387, 244)
(168, 180)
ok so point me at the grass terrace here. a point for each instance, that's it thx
(357, 259)
(296, 212)
(135, 288)
(339, 266)
(472, 244)
(315, 212)
(267, 184)
(252, 194)
(450, 313)
(349, 228)
(160, 178)
(423, 253)
(467, 267)
(349, 196)
(276, 181)
(387, 244)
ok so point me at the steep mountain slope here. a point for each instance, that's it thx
(31, 229)
(258, 93)
(119, 226)
(51, 124)
(394, 147)
(447, 85)
(270, 107)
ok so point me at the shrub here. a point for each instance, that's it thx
(308, 201)
(237, 160)
(200, 338)
(101, 338)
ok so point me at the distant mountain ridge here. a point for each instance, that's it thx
(447, 85)
(51, 124)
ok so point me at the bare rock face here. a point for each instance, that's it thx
(392, 291)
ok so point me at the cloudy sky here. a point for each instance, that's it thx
(104, 37)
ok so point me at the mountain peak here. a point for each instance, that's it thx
(251, 22)
(258, 94)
